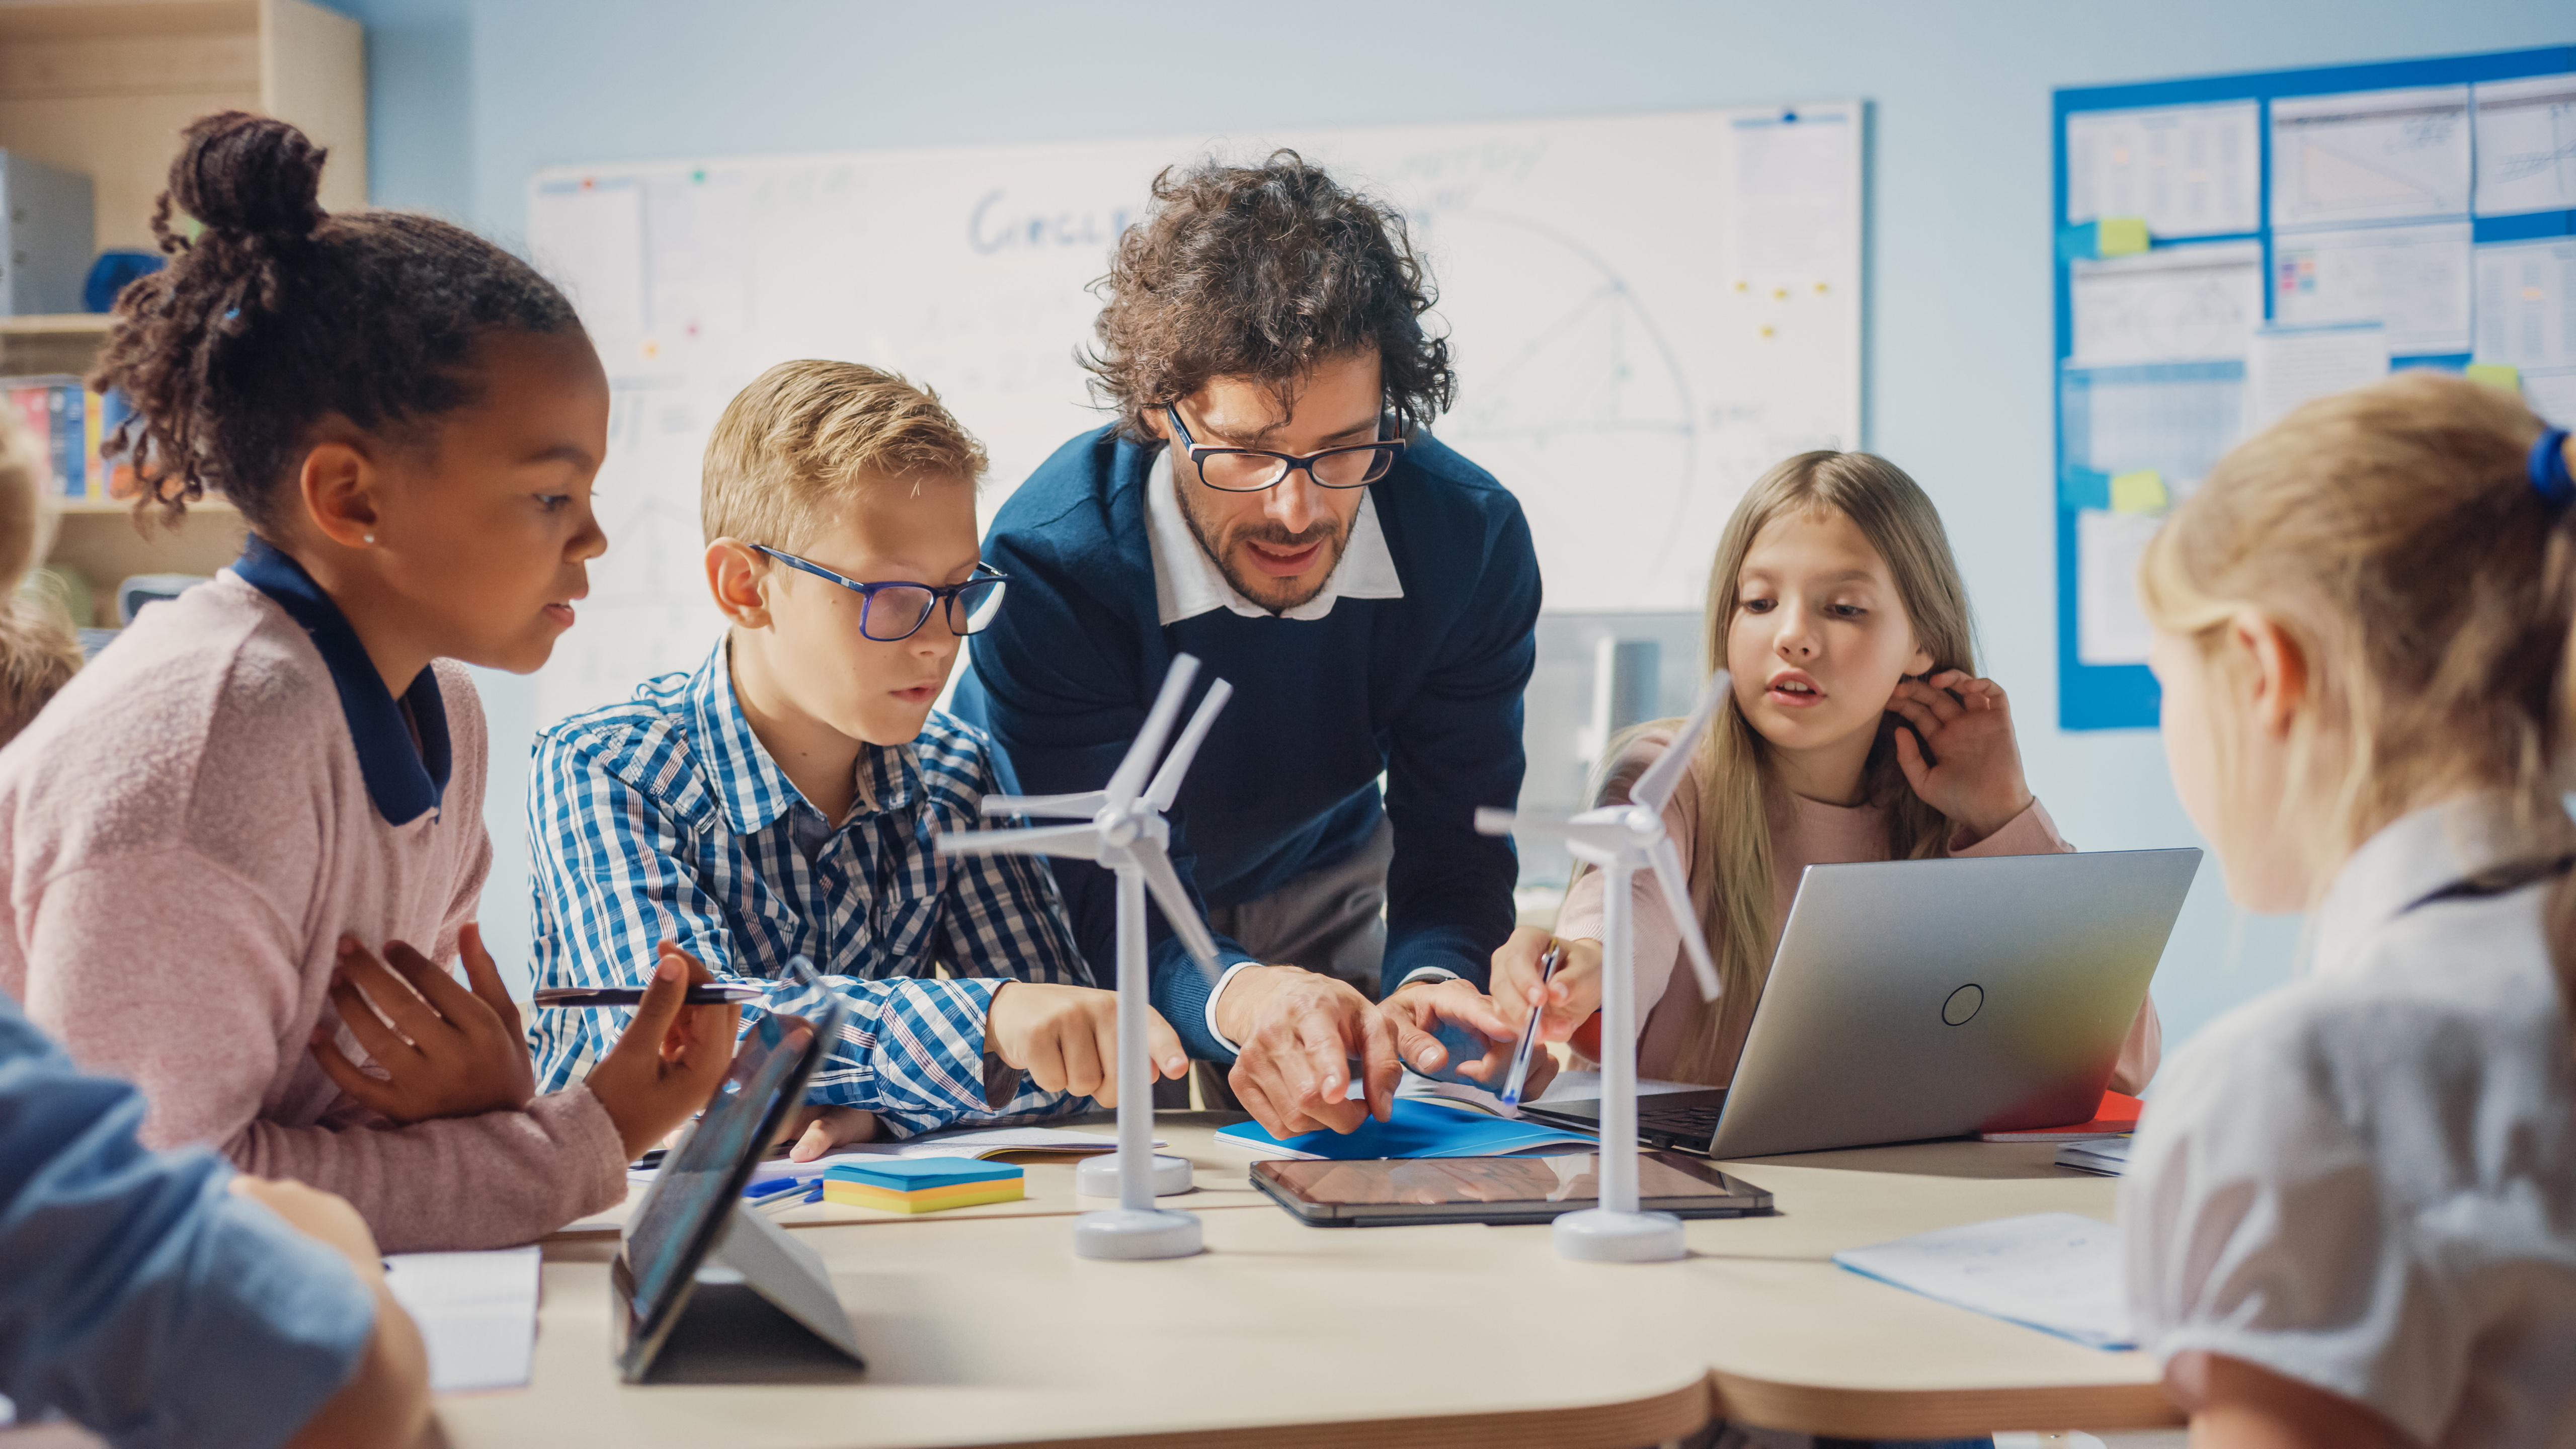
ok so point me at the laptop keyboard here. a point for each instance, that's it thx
(1692, 1122)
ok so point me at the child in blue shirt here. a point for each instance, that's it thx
(784, 797)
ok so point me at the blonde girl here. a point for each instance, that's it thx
(2351, 1210)
(1859, 732)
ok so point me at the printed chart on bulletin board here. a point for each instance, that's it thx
(2229, 248)
(1645, 312)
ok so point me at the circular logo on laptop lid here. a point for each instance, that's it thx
(1963, 1004)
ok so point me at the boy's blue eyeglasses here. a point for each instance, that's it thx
(896, 611)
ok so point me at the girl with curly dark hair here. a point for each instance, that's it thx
(219, 838)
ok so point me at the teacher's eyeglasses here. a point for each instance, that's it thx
(896, 611)
(1250, 470)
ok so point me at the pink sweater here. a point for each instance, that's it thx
(186, 834)
(1816, 834)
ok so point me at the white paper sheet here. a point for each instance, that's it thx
(2056, 1272)
(2178, 419)
(2370, 156)
(2289, 365)
(698, 253)
(2172, 304)
(2552, 394)
(1565, 1086)
(2110, 628)
(2415, 280)
(477, 1314)
(591, 243)
(2526, 145)
(2527, 303)
(2186, 170)
(1794, 178)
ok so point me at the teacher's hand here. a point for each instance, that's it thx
(1299, 1032)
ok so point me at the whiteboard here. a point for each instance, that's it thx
(1645, 312)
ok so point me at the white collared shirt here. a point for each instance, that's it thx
(1187, 583)
(2366, 1180)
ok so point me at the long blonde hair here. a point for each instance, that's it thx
(1731, 869)
(2393, 533)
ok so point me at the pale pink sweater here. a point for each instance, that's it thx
(185, 835)
(1812, 833)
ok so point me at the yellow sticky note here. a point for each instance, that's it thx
(2140, 492)
(2120, 236)
(2497, 374)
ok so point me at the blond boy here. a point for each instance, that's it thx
(783, 798)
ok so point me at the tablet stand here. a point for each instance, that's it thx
(761, 1310)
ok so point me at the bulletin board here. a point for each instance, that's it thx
(2231, 246)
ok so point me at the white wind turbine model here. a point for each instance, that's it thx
(1124, 830)
(1622, 840)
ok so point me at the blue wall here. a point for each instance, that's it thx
(468, 98)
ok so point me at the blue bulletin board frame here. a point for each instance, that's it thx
(2124, 696)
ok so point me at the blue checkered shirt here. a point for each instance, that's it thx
(665, 819)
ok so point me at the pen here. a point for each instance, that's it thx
(1519, 1074)
(714, 994)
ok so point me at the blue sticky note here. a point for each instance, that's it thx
(2084, 488)
(1415, 1129)
(910, 1174)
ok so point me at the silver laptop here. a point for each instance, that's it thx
(1933, 998)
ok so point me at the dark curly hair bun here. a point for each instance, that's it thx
(250, 175)
(278, 314)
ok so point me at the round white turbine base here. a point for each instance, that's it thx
(1121, 1233)
(1098, 1176)
(1598, 1235)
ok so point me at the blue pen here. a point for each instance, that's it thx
(770, 1190)
(1519, 1074)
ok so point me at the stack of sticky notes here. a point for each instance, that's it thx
(923, 1184)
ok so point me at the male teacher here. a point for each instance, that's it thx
(1269, 500)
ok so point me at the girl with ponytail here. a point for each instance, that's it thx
(241, 847)
(1858, 731)
(2350, 1212)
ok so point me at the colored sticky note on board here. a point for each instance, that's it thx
(2081, 488)
(2496, 374)
(2120, 236)
(2139, 492)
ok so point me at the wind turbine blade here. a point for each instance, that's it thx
(1656, 786)
(1167, 780)
(1070, 807)
(1165, 883)
(1608, 835)
(1139, 763)
(1677, 899)
(1490, 821)
(1080, 841)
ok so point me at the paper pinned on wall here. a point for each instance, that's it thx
(2290, 365)
(1794, 175)
(590, 242)
(2187, 171)
(2370, 156)
(2173, 304)
(697, 239)
(2177, 418)
(2414, 279)
(2110, 628)
(2527, 303)
(2552, 394)
(2526, 145)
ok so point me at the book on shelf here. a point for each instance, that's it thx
(66, 424)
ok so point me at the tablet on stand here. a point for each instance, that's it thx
(699, 1275)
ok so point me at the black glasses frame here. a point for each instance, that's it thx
(1386, 449)
(960, 620)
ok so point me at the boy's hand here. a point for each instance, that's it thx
(1572, 994)
(815, 1131)
(1966, 726)
(449, 1052)
(671, 1058)
(1066, 1038)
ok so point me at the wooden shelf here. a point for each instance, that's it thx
(121, 507)
(57, 324)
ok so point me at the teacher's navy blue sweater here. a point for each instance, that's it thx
(1424, 690)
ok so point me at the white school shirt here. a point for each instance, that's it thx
(2366, 1180)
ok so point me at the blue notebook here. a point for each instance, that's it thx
(1417, 1129)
